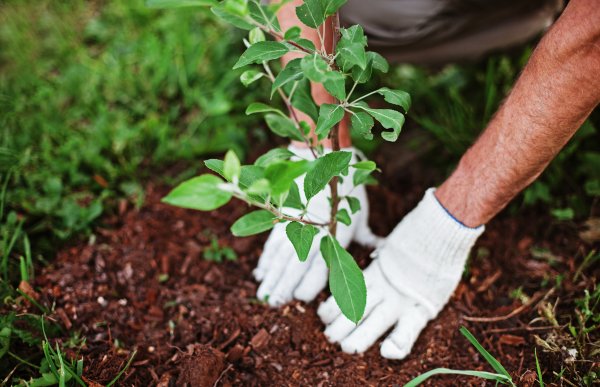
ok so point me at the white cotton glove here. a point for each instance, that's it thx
(282, 274)
(413, 277)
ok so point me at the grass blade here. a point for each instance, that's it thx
(24, 271)
(537, 363)
(493, 362)
(440, 371)
(73, 374)
(44, 310)
(121, 373)
(27, 247)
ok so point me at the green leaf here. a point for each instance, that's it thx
(237, 7)
(180, 3)
(493, 362)
(293, 200)
(362, 176)
(293, 63)
(343, 216)
(233, 19)
(329, 7)
(256, 35)
(249, 174)
(303, 101)
(289, 74)
(260, 187)
(231, 166)
(354, 34)
(305, 127)
(329, 115)
(292, 33)
(354, 204)
(310, 13)
(366, 165)
(283, 173)
(200, 193)
(283, 126)
(353, 53)
(346, 280)
(325, 168)
(335, 85)
(389, 119)
(253, 223)
(305, 43)
(258, 13)
(262, 51)
(397, 97)
(363, 123)
(301, 237)
(273, 156)
(47, 379)
(314, 68)
(4, 340)
(363, 75)
(442, 371)
(250, 76)
(379, 63)
(258, 107)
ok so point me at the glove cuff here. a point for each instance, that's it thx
(427, 253)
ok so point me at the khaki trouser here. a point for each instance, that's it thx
(440, 31)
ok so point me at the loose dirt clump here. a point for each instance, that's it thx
(201, 366)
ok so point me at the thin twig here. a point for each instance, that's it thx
(291, 110)
(524, 328)
(11, 372)
(534, 299)
(222, 373)
(282, 38)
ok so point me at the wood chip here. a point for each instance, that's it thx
(230, 339)
(235, 353)
(65, 319)
(261, 339)
(485, 285)
(321, 363)
(512, 340)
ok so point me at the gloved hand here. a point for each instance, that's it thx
(284, 277)
(413, 277)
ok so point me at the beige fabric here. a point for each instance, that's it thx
(440, 31)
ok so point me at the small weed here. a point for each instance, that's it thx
(216, 252)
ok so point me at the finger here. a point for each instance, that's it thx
(291, 276)
(401, 340)
(376, 324)
(341, 327)
(281, 258)
(272, 246)
(314, 280)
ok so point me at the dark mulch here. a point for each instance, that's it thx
(203, 321)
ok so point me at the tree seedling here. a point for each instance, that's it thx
(269, 184)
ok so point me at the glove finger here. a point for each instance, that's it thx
(341, 327)
(376, 324)
(399, 343)
(314, 280)
(291, 276)
(328, 310)
(272, 246)
(274, 272)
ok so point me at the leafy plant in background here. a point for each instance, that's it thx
(269, 183)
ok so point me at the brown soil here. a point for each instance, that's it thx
(202, 322)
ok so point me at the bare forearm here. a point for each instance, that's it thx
(557, 90)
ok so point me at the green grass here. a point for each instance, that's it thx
(94, 100)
